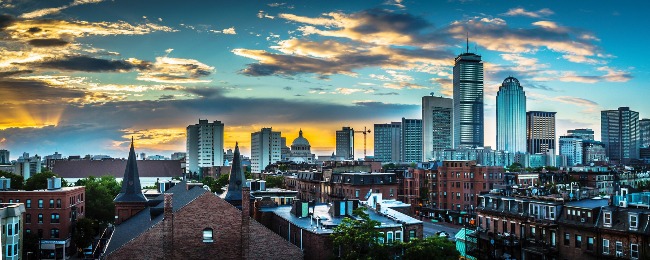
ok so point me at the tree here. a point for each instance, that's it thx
(84, 232)
(39, 181)
(274, 181)
(100, 193)
(388, 166)
(440, 247)
(515, 167)
(357, 239)
(17, 181)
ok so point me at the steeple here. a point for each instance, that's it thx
(131, 189)
(236, 180)
(467, 43)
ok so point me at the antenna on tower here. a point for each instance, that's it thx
(467, 43)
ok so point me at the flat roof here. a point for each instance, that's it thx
(46, 190)
(588, 203)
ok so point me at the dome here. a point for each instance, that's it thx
(300, 141)
(510, 80)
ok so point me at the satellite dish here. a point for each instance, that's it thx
(432, 93)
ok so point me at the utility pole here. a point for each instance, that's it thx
(364, 132)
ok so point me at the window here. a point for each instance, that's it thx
(634, 223)
(551, 211)
(607, 219)
(58, 203)
(567, 238)
(54, 233)
(634, 251)
(40, 203)
(54, 218)
(389, 237)
(619, 248)
(381, 238)
(590, 243)
(578, 241)
(10, 228)
(28, 203)
(356, 193)
(605, 246)
(207, 235)
(40, 218)
(411, 234)
(28, 218)
(398, 236)
(51, 203)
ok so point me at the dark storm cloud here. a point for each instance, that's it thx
(16, 90)
(90, 64)
(6, 20)
(381, 20)
(48, 42)
(14, 73)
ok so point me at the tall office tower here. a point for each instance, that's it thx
(540, 131)
(511, 117)
(388, 142)
(572, 148)
(345, 143)
(468, 100)
(204, 145)
(411, 140)
(265, 149)
(437, 125)
(4, 157)
(585, 134)
(620, 133)
(644, 133)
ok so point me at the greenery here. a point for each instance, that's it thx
(440, 247)
(357, 239)
(84, 232)
(275, 181)
(17, 181)
(39, 181)
(388, 166)
(515, 167)
(100, 193)
(424, 193)
(218, 184)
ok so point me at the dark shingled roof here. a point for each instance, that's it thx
(115, 168)
(143, 221)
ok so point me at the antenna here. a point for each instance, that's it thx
(467, 43)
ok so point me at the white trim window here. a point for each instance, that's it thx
(605, 246)
(381, 238)
(398, 236)
(389, 237)
(607, 218)
(634, 221)
(634, 251)
(207, 235)
(619, 248)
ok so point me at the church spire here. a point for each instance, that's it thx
(131, 189)
(236, 180)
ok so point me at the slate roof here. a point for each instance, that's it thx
(115, 168)
(143, 221)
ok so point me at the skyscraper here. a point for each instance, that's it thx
(540, 131)
(511, 117)
(644, 133)
(265, 149)
(437, 126)
(572, 148)
(582, 133)
(468, 101)
(345, 143)
(411, 140)
(204, 145)
(4, 157)
(620, 133)
(388, 142)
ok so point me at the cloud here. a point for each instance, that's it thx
(532, 14)
(53, 10)
(230, 30)
(90, 64)
(176, 70)
(288, 88)
(615, 75)
(47, 42)
(18, 91)
(386, 94)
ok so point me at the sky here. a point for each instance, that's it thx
(84, 76)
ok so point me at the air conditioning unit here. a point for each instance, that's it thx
(582, 220)
(622, 203)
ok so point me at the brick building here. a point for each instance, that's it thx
(359, 185)
(309, 226)
(414, 188)
(50, 214)
(455, 186)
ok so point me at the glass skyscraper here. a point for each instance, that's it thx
(620, 133)
(437, 127)
(411, 140)
(511, 116)
(468, 101)
(388, 142)
(540, 132)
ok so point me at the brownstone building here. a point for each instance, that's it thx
(455, 186)
(50, 214)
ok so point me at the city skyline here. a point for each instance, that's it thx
(82, 77)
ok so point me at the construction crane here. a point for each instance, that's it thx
(364, 132)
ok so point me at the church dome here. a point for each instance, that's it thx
(300, 141)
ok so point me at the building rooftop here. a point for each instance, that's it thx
(321, 211)
(588, 203)
(115, 168)
(62, 189)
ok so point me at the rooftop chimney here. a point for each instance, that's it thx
(168, 226)
(245, 220)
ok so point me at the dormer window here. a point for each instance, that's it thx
(634, 221)
(607, 218)
(207, 235)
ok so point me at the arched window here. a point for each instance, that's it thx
(207, 235)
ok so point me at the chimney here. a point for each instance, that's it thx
(245, 220)
(168, 227)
